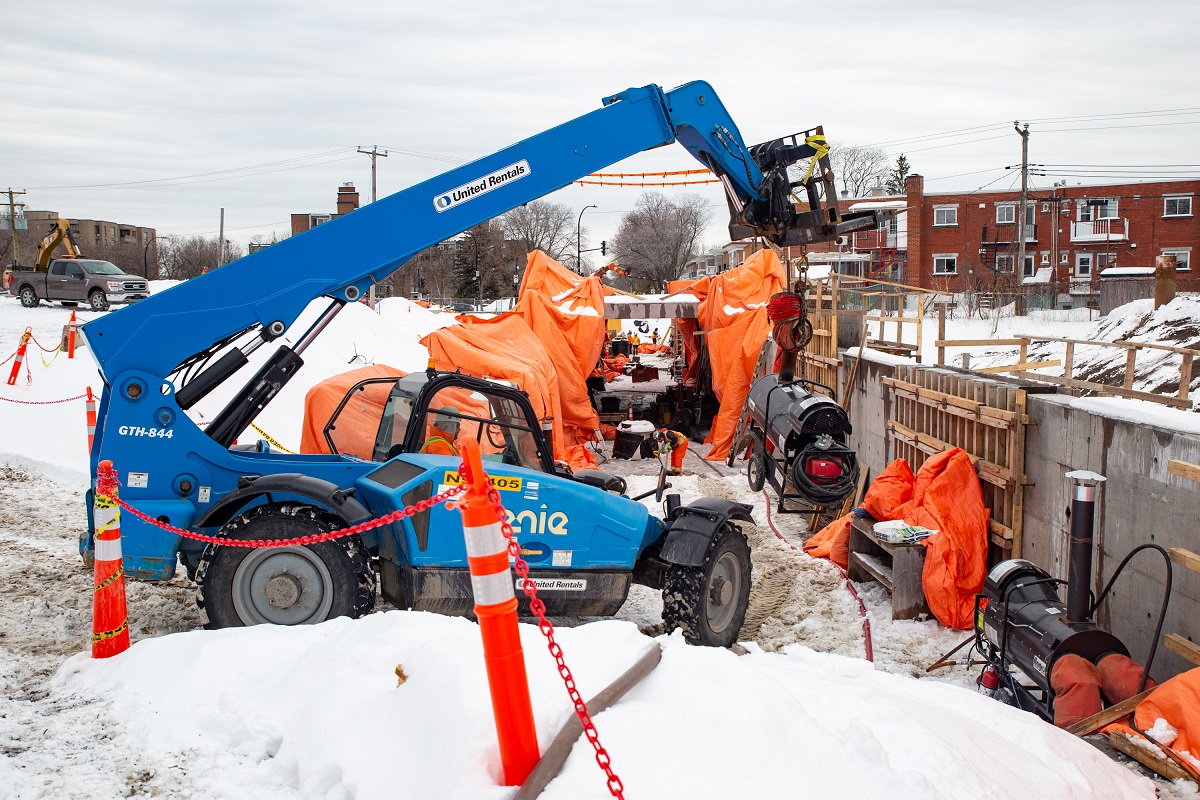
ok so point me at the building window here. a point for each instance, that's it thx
(1091, 210)
(945, 264)
(1006, 214)
(1029, 266)
(945, 215)
(1083, 265)
(1103, 260)
(1065, 259)
(1045, 259)
(1045, 208)
(1177, 206)
(1183, 258)
(1004, 263)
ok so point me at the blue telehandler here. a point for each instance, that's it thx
(585, 540)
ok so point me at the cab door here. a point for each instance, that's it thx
(75, 284)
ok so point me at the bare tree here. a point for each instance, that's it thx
(541, 225)
(658, 237)
(857, 168)
(184, 257)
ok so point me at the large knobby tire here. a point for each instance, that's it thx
(708, 603)
(29, 297)
(98, 300)
(756, 468)
(293, 585)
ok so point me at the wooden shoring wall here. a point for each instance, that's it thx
(821, 360)
(933, 411)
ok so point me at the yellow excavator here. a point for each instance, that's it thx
(614, 268)
(60, 233)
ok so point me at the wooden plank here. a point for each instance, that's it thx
(1184, 469)
(1185, 558)
(1108, 716)
(1021, 367)
(1127, 345)
(1018, 468)
(940, 344)
(1118, 391)
(1185, 376)
(1183, 647)
(1147, 758)
(943, 342)
(1069, 361)
(552, 760)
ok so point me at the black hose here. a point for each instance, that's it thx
(1162, 612)
(834, 492)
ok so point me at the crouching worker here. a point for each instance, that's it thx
(673, 442)
(442, 433)
(1081, 687)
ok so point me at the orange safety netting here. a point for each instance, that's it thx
(359, 421)
(944, 496)
(733, 315)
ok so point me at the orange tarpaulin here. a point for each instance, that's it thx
(1178, 702)
(944, 496)
(503, 348)
(358, 422)
(733, 315)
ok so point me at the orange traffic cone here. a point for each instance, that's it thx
(90, 406)
(71, 336)
(20, 359)
(110, 621)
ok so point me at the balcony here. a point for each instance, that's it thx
(1101, 230)
(1005, 234)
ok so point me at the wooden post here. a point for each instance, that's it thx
(833, 322)
(1130, 358)
(1185, 376)
(1018, 471)
(966, 360)
(941, 334)
(920, 317)
(1164, 280)
(1069, 360)
(1024, 351)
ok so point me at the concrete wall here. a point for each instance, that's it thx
(1141, 502)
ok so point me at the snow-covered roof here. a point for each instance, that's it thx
(1041, 276)
(880, 205)
(1126, 272)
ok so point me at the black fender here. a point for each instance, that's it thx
(338, 500)
(687, 538)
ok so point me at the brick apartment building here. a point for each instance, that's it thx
(122, 243)
(347, 201)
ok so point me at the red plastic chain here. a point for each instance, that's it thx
(106, 483)
(43, 348)
(44, 402)
(615, 787)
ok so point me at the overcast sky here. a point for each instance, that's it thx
(146, 91)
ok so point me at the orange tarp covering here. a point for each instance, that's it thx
(1178, 702)
(733, 314)
(944, 496)
(358, 423)
(687, 327)
(504, 348)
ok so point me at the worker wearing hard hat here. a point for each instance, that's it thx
(442, 433)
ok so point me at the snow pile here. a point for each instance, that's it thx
(805, 723)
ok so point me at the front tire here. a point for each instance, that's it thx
(98, 300)
(756, 468)
(292, 585)
(708, 603)
(29, 297)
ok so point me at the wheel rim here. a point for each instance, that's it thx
(282, 586)
(99, 302)
(721, 593)
(28, 297)
(754, 469)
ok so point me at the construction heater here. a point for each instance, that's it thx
(800, 436)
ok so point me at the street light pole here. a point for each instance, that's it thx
(579, 241)
(145, 256)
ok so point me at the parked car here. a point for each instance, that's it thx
(461, 307)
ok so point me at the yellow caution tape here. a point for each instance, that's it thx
(818, 143)
(105, 635)
(273, 442)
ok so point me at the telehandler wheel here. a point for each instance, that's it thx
(293, 585)
(29, 297)
(98, 300)
(756, 468)
(708, 603)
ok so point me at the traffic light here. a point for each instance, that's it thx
(604, 248)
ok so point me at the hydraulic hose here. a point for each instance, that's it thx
(1162, 611)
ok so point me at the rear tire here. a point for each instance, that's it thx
(708, 603)
(293, 585)
(98, 300)
(29, 297)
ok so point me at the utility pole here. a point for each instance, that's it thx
(12, 221)
(374, 153)
(221, 241)
(1022, 210)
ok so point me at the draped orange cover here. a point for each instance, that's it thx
(359, 421)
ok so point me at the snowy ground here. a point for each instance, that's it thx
(316, 712)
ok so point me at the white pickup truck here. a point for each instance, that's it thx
(71, 281)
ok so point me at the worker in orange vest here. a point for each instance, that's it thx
(673, 442)
(442, 433)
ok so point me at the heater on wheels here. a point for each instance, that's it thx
(798, 444)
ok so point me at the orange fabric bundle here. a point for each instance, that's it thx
(944, 496)
(359, 421)
(1178, 702)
